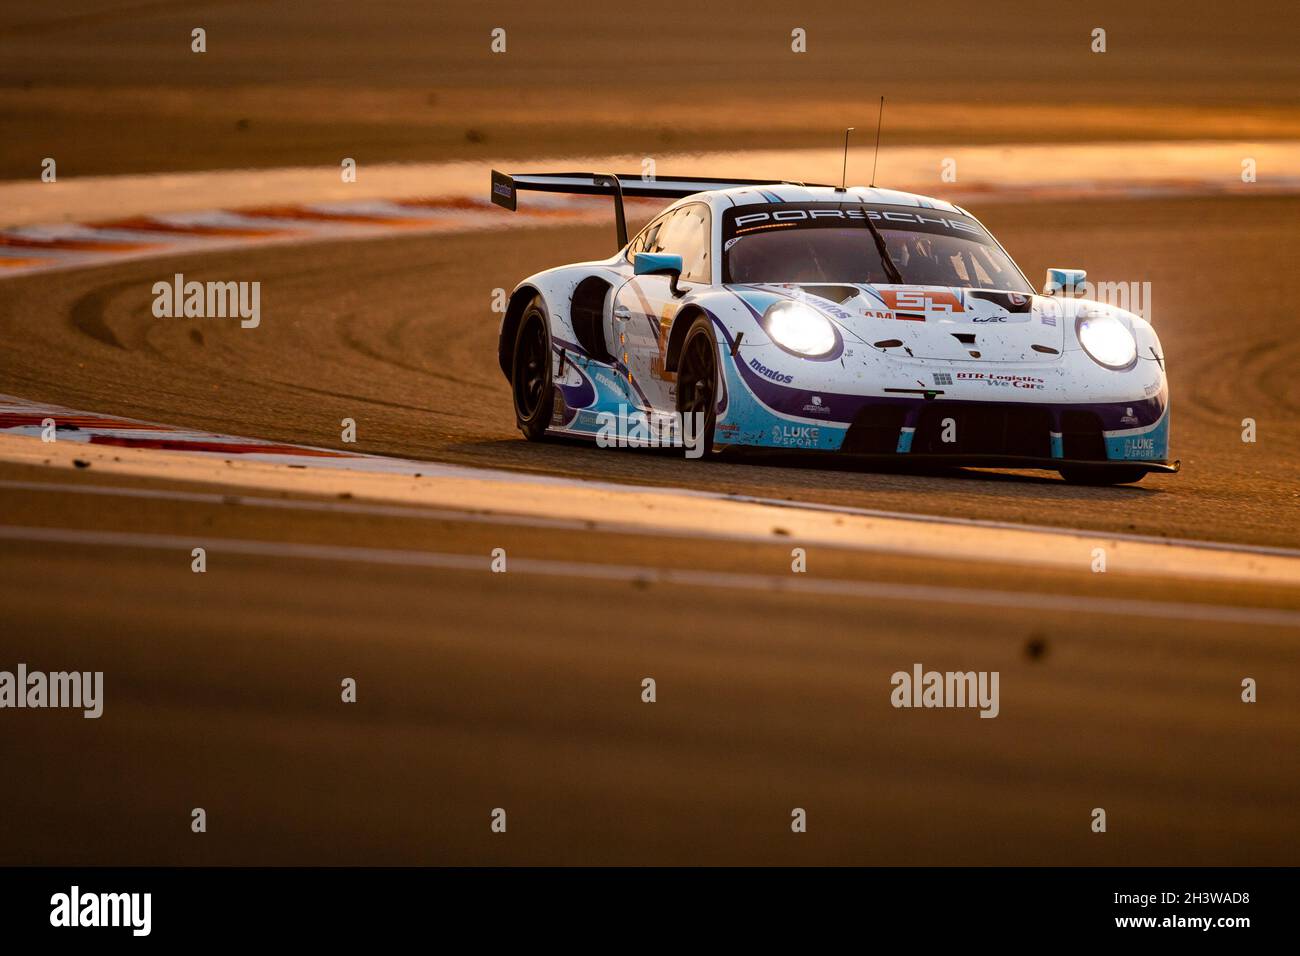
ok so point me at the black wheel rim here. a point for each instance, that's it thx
(530, 369)
(697, 377)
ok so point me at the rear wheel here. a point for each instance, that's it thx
(1083, 475)
(530, 373)
(697, 380)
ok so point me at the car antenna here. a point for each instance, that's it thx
(844, 172)
(879, 120)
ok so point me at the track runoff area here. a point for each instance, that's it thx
(120, 505)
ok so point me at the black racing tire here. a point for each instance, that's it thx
(530, 372)
(697, 378)
(1084, 475)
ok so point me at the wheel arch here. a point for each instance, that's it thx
(682, 323)
(519, 300)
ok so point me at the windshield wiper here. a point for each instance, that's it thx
(891, 270)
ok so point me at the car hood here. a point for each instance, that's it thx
(944, 322)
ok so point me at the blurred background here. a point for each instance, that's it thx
(114, 87)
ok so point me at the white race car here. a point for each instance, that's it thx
(858, 320)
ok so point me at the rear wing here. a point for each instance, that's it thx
(506, 188)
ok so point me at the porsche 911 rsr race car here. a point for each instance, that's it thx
(858, 320)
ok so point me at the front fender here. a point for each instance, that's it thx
(731, 317)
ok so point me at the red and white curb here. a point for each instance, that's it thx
(131, 217)
(42, 248)
(54, 422)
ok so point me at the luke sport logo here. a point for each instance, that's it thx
(1139, 447)
(771, 373)
(796, 436)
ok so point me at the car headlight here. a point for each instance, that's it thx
(799, 328)
(1107, 340)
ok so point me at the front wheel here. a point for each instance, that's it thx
(697, 381)
(1083, 475)
(530, 373)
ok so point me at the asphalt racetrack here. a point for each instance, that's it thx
(523, 690)
(399, 335)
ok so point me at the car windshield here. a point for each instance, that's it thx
(831, 242)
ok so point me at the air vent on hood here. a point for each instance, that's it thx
(836, 293)
(965, 338)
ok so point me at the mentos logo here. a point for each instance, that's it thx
(771, 373)
(609, 383)
(835, 310)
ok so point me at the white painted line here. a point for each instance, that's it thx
(525, 520)
(1152, 539)
(918, 595)
(670, 512)
(339, 507)
(339, 460)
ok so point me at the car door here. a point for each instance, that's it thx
(644, 307)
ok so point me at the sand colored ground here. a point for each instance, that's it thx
(523, 691)
(113, 88)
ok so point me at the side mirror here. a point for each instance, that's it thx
(1066, 282)
(660, 264)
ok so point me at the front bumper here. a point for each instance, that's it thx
(1047, 433)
